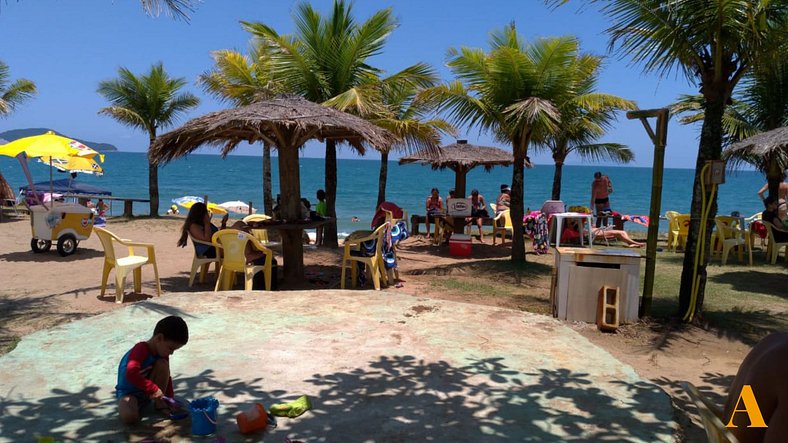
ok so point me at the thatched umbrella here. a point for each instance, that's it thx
(286, 122)
(6, 193)
(461, 157)
(767, 151)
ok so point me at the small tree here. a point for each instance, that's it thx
(149, 102)
(243, 80)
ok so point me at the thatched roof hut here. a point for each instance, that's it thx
(6, 193)
(286, 122)
(461, 157)
(767, 151)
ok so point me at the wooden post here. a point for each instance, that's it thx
(660, 140)
(250, 208)
(205, 199)
(290, 208)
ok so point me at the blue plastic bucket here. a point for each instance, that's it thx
(203, 412)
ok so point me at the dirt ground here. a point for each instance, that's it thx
(43, 290)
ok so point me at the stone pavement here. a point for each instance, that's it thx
(378, 367)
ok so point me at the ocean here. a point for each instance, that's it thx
(240, 178)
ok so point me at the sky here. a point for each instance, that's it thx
(68, 46)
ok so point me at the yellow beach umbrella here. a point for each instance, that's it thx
(212, 207)
(48, 145)
(74, 164)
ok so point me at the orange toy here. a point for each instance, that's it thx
(253, 419)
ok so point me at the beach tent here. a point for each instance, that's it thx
(286, 122)
(69, 186)
(461, 157)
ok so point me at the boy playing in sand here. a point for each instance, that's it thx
(144, 372)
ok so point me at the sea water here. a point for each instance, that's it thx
(240, 178)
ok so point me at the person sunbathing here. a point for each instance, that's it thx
(603, 233)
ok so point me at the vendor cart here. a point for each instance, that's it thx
(64, 223)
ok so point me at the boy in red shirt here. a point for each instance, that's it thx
(144, 372)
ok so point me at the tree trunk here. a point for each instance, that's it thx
(153, 181)
(290, 207)
(384, 167)
(268, 198)
(559, 167)
(516, 203)
(330, 229)
(710, 149)
(774, 176)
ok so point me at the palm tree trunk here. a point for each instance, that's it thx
(290, 188)
(559, 167)
(384, 166)
(516, 203)
(268, 198)
(710, 149)
(330, 230)
(153, 181)
(774, 176)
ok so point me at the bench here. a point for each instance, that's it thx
(128, 202)
(415, 220)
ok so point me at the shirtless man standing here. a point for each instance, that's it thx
(600, 196)
(765, 369)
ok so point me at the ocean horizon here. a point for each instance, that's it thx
(239, 177)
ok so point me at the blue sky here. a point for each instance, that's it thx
(67, 46)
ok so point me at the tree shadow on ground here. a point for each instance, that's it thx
(768, 283)
(684, 409)
(394, 399)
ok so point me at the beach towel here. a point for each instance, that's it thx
(536, 228)
(642, 220)
(380, 216)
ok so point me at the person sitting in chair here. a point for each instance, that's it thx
(772, 214)
(434, 206)
(503, 202)
(604, 233)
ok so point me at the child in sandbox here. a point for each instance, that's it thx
(144, 372)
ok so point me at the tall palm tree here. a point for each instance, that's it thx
(13, 93)
(395, 103)
(714, 43)
(511, 92)
(760, 105)
(243, 80)
(176, 8)
(325, 57)
(585, 116)
(149, 102)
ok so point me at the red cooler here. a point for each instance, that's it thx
(460, 245)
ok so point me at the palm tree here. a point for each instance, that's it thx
(585, 116)
(243, 80)
(715, 43)
(394, 103)
(511, 92)
(761, 105)
(13, 93)
(150, 102)
(175, 8)
(325, 57)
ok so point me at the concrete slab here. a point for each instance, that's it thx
(377, 366)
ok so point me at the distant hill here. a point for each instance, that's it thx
(15, 134)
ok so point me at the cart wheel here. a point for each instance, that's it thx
(66, 245)
(40, 245)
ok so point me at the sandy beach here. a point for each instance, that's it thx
(44, 290)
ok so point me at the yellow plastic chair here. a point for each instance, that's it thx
(203, 263)
(123, 265)
(710, 415)
(672, 232)
(730, 235)
(373, 265)
(233, 243)
(772, 247)
(502, 224)
(680, 227)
